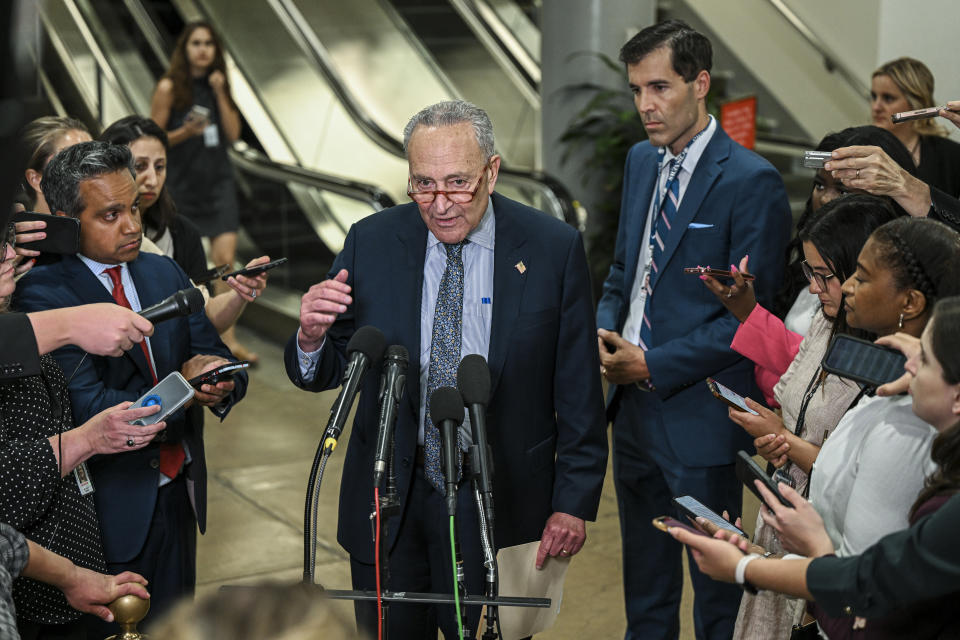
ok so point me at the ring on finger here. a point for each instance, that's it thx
(253, 294)
(729, 293)
(564, 552)
(858, 173)
(130, 442)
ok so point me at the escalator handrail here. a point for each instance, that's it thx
(506, 39)
(830, 59)
(259, 164)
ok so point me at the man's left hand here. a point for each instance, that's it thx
(621, 362)
(209, 395)
(563, 536)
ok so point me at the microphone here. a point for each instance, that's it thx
(446, 411)
(473, 382)
(365, 348)
(391, 388)
(183, 303)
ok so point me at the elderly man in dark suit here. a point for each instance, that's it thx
(462, 270)
(149, 501)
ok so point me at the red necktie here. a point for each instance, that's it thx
(171, 455)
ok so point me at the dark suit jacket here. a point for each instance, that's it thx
(126, 483)
(545, 420)
(19, 354)
(735, 204)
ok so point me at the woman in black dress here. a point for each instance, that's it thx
(193, 103)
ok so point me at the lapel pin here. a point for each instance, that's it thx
(522, 268)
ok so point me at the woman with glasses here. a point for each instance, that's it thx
(812, 401)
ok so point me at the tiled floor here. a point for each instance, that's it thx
(259, 462)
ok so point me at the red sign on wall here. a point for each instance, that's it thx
(739, 119)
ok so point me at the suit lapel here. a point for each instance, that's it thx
(707, 171)
(412, 236)
(508, 284)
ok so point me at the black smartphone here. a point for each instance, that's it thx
(211, 274)
(171, 393)
(747, 471)
(221, 374)
(63, 232)
(729, 397)
(717, 273)
(693, 508)
(257, 270)
(863, 361)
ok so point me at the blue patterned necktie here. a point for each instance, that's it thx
(444, 357)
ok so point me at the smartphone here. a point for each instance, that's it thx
(220, 374)
(814, 159)
(666, 521)
(863, 361)
(63, 233)
(728, 396)
(171, 393)
(257, 270)
(717, 273)
(747, 471)
(917, 114)
(692, 508)
(211, 274)
(199, 112)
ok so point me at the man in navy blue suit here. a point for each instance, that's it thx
(691, 197)
(462, 266)
(149, 501)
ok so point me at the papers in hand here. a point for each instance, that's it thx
(519, 577)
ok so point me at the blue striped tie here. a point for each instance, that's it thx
(444, 358)
(666, 214)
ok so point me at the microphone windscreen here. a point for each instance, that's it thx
(397, 352)
(369, 341)
(473, 379)
(194, 298)
(446, 404)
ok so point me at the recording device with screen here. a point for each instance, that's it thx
(170, 394)
(693, 508)
(728, 396)
(747, 471)
(863, 361)
(814, 159)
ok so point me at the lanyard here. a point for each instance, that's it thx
(674, 171)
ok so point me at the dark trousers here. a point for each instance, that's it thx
(647, 475)
(168, 559)
(420, 562)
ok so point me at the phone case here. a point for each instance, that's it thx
(866, 348)
(747, 471)
(63, 233)
(666, 521)
(255, 270)
(712, 385)
(171, 393)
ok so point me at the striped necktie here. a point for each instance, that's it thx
(665, 216)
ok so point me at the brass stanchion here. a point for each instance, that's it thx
(127, 612)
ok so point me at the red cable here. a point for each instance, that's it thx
(376, 562)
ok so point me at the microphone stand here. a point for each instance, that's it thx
(389, 504)
(484, 499)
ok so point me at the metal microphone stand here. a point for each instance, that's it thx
(484, 500)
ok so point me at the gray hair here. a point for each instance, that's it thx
(445, 114)
(62, 177)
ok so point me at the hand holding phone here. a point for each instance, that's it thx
(220, 374)
(917, 114)
(665, 522)
(60, 234)
(169, 394)
(717, 273)
(729, 397)
(693, 508)
(747, 471)
(256, 270)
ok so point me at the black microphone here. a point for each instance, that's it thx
(183, 303)
(473, 382)
(364, 349)
(446, 411)
(391, 388)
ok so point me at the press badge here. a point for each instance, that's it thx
(211, 138)
(82, 475)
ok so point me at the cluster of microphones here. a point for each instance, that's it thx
(365, 350)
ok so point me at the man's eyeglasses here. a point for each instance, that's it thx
(813, 276)
(457, 197)
(9, 238)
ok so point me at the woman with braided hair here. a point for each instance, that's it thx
(872, 466)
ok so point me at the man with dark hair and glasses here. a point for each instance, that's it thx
(691, 196)
(462, 270)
